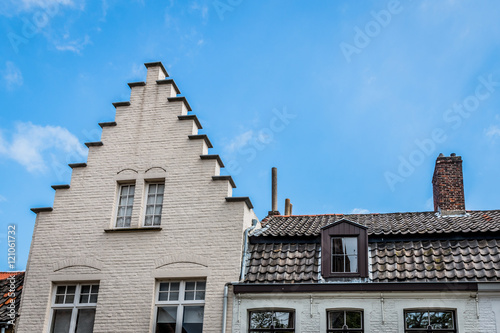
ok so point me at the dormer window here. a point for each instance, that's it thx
(344, 250)
(344, 254)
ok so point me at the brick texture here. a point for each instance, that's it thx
(148, 141)
(448, 184)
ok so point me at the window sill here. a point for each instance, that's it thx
(133, 229)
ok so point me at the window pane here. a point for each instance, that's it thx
(193, 319)
(61, 321)
(84, 298)
(350, 245)
(190, 285)
(69, 299)
(93, 298)
(85, 321)
(174, 286)
(189, 296)
(61, 290)
(261, 319)
(59, 299)
(166, 320)
(335, 319)
(163, 296)
(283, 320)
(157, 220)
(174, 296)
(159, 199)
(337, 247)
(200, 295)
(337, 263)
(167, 314)
(351, 264)
(416, 319)
(441, 319)
(164, 286)
(86, 289)
(353, 319)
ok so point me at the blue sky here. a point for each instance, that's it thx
(352, 101)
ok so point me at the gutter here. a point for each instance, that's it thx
(242, 275)
(245, 248)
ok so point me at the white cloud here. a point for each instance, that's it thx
(493, 131)
(31, 145)
(12, 76)
(2, 198)
(73, 45)
(14, 7)
(203, 9)
(360, 211)
(239, 142)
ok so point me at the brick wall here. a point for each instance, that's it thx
(201, 233)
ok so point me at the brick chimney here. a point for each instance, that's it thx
(448, 185)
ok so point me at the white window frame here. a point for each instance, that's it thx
(180, 303)
(350, 329)
(75, 306)
(146, 195)
(428, 310)
(115, 221)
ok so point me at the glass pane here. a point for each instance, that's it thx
(189, 296)
(353, 319)
(157, 220)
(164, 286)
(127, 222)
(120, 222)
(129, 211)
(159, 199)
(124, 190)
(441, 319)
(69, 299)
(350, 245)
(59, 299)
(163, 296)
(283, 319)
(61, 321)
(84, 298)
(130, 200)
(335, 319)
(190, 285)
(174, 296)
(151, 199)
(152, 188)
(201, 285)
(261, 319)
(93, 298)
(192, 321)
(337, 263)
(167, 315)
(149, 210)
(174, 286)
(86, 289)
(148, 220)
(337, 246)
(161, 188)
(85, 321)
(61, 290)
(200, 295)
(416, 319)
(157, 210)
(71, 290)
(351, 264)
(95, 288)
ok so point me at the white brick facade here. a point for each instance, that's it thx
(201, 236)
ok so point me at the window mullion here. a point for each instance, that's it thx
(180, 313)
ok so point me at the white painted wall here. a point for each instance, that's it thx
(463, 303)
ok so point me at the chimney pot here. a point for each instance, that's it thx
(453, 154)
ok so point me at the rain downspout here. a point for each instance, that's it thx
(242, 274)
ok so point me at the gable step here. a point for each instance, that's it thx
(231, 181)
(191, 117)
(199, 137)
(169, 81)
(213, 157)
(93, 144)
(137, 84)
(77, 165)
(180, 99)
(155, 64)
(41, 209)
(117, 104)
(239, 199)
(60, 187)
(107, 124)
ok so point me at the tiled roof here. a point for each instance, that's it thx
(413, 261)
(383, 224)
(439, 261)
(4, 294)
(282, 263)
